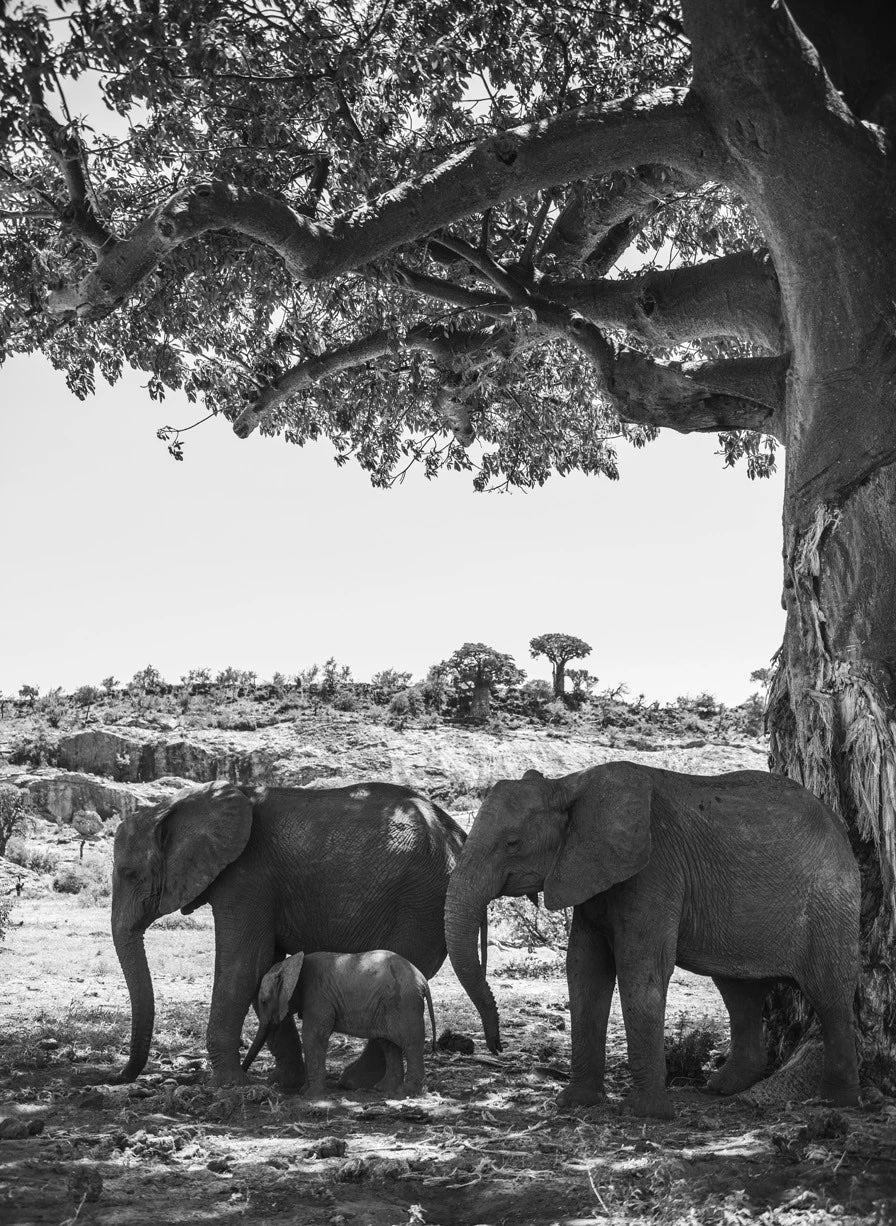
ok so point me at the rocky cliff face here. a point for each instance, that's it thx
(118, 770)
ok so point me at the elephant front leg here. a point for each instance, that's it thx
(591, 975)
(239, 966)
(286, 1048)
(643, 980)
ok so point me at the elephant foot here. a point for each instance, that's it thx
(390, 1088)
(581, 1094)
(229, 1077)
(288, 1076)
(733, 1077)
(840, 1095)
(310, 1091)
(367, 1071)
(657, 1104)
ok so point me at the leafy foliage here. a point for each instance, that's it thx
(12, 810)
(324, 106)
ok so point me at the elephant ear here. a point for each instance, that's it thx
(287, 982)
(202, 831)
(607, 834)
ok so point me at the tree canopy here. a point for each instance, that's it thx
(237, 230)
(559, 649)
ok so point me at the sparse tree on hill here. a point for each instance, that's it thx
(388, 682)
(559, 649)
(751, 143)
(197, 680)
(29, 693)
(13, 806)
(110, 685)
(85, 697)
(474, 670)
(147, 681)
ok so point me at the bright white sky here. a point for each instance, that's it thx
(268, 557)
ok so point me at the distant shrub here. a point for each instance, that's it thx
(6, 906)
(518, 923)
(70, 880)
(13, 806)
(535, 694)
(31, 855)
(705, 706)
(91, 879)
(558, 712)
(387, 683)
(344, 700)
(406, 705)
(689, 1053)
(176, 921)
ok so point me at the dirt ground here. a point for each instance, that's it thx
(485, 1144)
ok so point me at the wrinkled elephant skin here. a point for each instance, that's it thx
(745, 877)
(283, 869)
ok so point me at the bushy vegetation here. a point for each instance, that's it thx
(13, 805)
(476, 683)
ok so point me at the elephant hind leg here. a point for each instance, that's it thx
(747, 1060)
(392, 1083)
(368, 1070)
(840, 1071)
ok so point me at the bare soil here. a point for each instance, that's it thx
(484, 1144)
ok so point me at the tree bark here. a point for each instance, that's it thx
(821, 188)
(480, 704)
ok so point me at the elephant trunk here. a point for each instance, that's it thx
(257, 1044)
(465, 908)
(132, 956)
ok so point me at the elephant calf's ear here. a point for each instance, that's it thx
(607, 835)
(287, 981)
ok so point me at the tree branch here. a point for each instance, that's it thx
(600, 214)
(438, 341)
(68, 153)
(736, 295)
(665, 125)
(742, 394)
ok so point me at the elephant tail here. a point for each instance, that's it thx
(432, 1016)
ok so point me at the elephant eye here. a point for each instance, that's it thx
(512, 842)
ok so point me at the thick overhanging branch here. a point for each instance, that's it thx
(735, 296)
(436, 340)
(665, 126)
(602, 217)
(742, 394)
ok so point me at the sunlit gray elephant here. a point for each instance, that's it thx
(377, 994)
(746, 877)
(283, 869)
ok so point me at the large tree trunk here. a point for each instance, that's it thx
(821, 185)
(832, 708)
(480, 704)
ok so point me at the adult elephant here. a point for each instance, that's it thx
(284, 869)
(746, 877)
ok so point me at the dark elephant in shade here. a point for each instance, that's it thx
(284, 869)
(746, 877)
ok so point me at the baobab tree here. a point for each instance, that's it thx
(474, 670)
(399, 226)
(559, 649)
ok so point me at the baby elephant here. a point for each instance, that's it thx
(374, 995)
